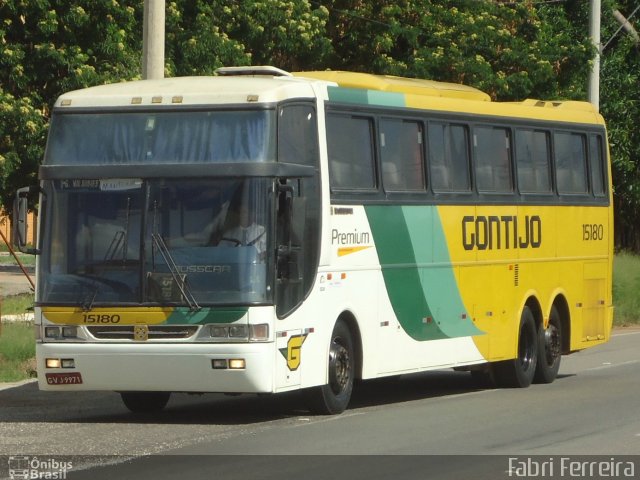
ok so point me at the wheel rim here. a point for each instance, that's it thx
(339, 367)
(551, 343)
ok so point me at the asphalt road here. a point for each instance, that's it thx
(404, 428)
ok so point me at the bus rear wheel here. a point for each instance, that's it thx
(334, 397)
(549, 349)
(519, 372)
(145, 402)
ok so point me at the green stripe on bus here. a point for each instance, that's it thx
(417, 272)
(185, 316)
(366, 97)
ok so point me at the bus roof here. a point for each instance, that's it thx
(433, 95)
(388, 83)
(205, 90)
(246, 85)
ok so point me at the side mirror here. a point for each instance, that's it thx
(20, 218)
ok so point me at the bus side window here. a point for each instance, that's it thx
(570, 157)
(596, 158)
(350, 151)
(492, 147)
(401, 155)
(448, 157)
(297, 135)
(533, 160)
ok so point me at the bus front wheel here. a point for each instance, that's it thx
(333, 398)
(145, 402)
(519, 372)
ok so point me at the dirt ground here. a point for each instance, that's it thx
(13, 281)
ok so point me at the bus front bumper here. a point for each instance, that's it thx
(156, 367)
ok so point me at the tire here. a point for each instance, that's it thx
(549, 349)
(333, 398)
(519, 372)
(145, 402)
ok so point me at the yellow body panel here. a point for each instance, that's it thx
(107, 316)
(568, 257)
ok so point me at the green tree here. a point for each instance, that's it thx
(22, 139)
(205, 35)
(49, 47)
(620, 106)
(509, 50)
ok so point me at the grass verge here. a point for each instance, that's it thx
(17, 352)
(17, 346)
(17, 304)
(27, 260)
(626, 289)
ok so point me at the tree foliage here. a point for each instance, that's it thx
(620, 106)
(47, 48)
(205, 35)
(22, 139)
(511, 50)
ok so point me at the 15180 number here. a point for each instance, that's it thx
(100, 318)
(592, 231)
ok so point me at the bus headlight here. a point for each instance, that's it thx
(52, 333)
(67, 332)
(68, 363)
(240, 333)
(70, 332)
(237, 364)
(231, 364)
(218, 331)
(59, 363)
(52, 363)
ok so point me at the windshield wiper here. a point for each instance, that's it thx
(180, 280)
(114, 246)
(120, 239)
(87, 303)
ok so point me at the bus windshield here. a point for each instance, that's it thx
(104, 138)
(149, 241)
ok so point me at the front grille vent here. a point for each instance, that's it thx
(156, 332)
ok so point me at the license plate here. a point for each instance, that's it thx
(71, 378)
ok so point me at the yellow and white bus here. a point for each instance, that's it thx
(261, 231)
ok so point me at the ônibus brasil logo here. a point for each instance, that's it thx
(22, 467)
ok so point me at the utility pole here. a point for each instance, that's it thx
(594, 34)
(153, 39)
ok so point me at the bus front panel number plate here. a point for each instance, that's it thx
(71, 378)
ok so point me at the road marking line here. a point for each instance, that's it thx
(611, 365)
(624, 334)
(307, 421)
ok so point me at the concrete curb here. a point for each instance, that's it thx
(9, 385)
(24, 317)
(16, 269)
